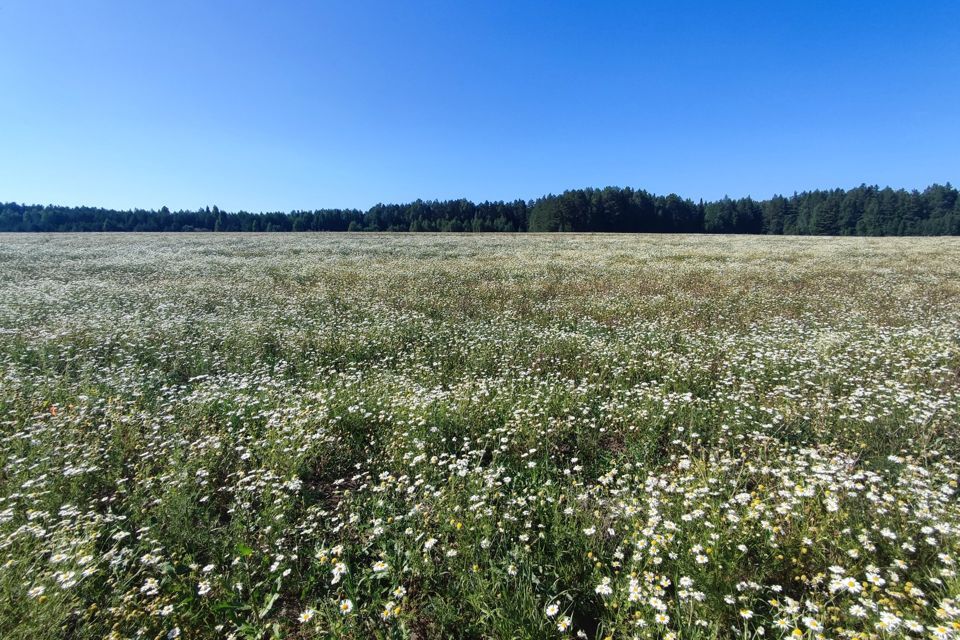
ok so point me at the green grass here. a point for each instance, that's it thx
(661, 436)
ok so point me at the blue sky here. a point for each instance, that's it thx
(302, 105)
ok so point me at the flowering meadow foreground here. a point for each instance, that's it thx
(394, 436)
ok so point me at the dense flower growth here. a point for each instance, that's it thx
(473, 436)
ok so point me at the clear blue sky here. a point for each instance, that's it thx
(282, 105)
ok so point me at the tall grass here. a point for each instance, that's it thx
(389, 436)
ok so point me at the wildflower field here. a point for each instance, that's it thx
(399, 436)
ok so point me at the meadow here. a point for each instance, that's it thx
(478, 436)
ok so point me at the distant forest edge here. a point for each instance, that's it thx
(864, 210)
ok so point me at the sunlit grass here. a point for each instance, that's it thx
(478, 436)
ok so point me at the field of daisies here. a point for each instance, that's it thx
(421, 436)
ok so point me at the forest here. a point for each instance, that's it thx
(864, 210)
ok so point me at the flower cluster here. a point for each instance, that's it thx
(445, 436)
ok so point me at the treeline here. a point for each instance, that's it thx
(868, 211)
(863, 210)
